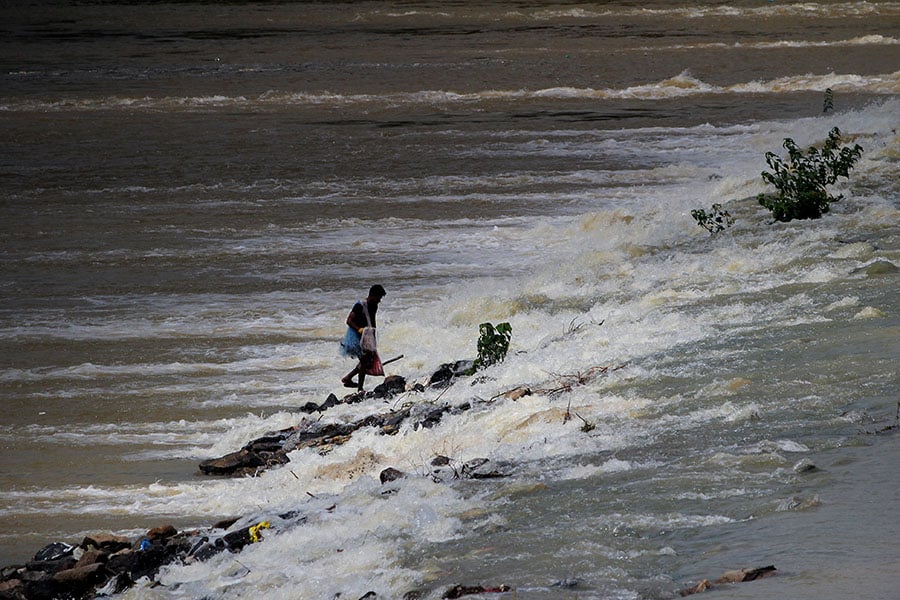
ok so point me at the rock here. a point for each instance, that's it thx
(146, 563)
(395, 418)
(393, 385)
(230, 463)
(121, 562)
(738, 576)
(432, 418)
(354, 398)
(207, 550)
(236, 540)
(700, 587)
(51, 566)
(390, 474)
(490, 475)
(568, 582)
(44, 589)
(461, 408)
(92, 556)
(519, 392)
(474, 464)
(162, 532)
(805, 466)
(226, 523)
(445, 373)
(330, 401)
(734, 576)
(118, 584)
(463, 367)
(9, 587)
(458, 591)
(79, 580)
(441, 377)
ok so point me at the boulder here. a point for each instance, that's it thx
(393, 385)
(431, 418)
(122, 561)
(42, 589)
(330, 401)
(146, 563)
(162, 532)
(81, 579)
(92, 556)
(51, 566)
(106, 541)
(207, 550)
(10, 588)
(241, 460)
(391, 474)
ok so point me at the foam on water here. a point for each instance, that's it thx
(681, 85)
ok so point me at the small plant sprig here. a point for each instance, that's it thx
(493, 344)
(714, 221)
(801, 179)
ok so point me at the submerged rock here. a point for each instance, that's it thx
(878, 268)
(740, 575)
(735, 576)
(704, 585)
(447, 372)
(458, 591)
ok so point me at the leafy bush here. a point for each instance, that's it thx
(801, 180)
(714, 221)
(493, 344)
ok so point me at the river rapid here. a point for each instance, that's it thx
(195, 193)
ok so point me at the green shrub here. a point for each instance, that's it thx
(714, 221)
(493, 344)
(801, 179)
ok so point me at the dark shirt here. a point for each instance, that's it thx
(357, 316)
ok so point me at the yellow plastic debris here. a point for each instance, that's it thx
(254, 531)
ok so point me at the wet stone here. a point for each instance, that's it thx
(390, 474)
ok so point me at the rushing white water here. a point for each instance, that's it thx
(681, 85)
(626, 280)
(180, 254)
